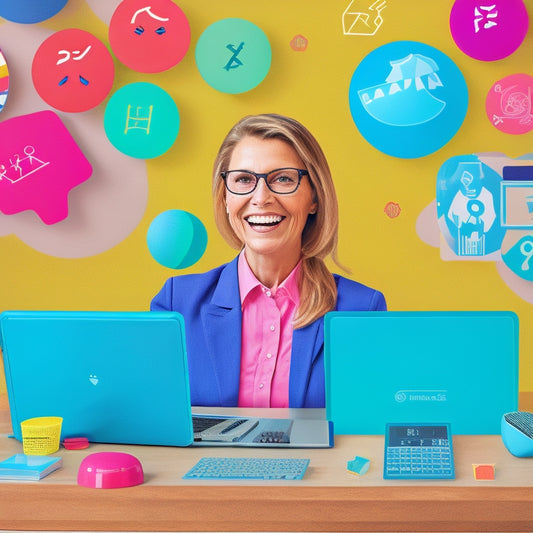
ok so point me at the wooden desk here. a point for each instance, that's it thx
(327, 499)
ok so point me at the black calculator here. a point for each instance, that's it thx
(418, 451)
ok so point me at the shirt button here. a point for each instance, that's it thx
(269, 355)
(268, 293)
(272, 328)
(261, 385)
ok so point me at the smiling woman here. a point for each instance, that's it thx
(253, 326)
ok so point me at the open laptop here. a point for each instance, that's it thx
(444, 366)
(122, 377)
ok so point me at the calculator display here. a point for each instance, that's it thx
(418, 436)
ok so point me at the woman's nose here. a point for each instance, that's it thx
(262, 194)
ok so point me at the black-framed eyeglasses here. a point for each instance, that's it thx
(279, 180)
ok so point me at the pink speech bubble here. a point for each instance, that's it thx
(39, 164)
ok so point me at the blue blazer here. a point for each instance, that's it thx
(211, 307)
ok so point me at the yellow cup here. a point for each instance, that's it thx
(40, 436)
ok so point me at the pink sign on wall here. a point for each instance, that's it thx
(40, 163)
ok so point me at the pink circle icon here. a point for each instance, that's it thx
(508, 104)
(489, 30)
(149, 38)
(73, 71)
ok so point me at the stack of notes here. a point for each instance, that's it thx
(23, 467)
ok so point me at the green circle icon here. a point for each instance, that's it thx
(233, 55)
(141, 120)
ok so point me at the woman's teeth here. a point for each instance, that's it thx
(270, 220)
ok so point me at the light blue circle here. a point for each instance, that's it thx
(233, 55)
(176, 239)
(30, 11)
(141, 120)
(408, 99)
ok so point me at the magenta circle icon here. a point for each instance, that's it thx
(488, 31)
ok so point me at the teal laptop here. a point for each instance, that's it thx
(420, 367)
(117, 377)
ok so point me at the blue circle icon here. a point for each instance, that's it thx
(408, 99)
(176, 239)
(30, 11)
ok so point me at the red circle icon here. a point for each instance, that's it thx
(73, 71)
(149, 38)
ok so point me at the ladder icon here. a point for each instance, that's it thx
(138, 118)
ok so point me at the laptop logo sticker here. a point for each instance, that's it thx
(402, 396)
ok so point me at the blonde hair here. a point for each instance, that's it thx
(318, 290)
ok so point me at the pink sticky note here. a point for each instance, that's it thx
(40, 163)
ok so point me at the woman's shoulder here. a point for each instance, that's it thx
(190, 290)
(355, 296)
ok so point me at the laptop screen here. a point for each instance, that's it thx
(118, 377)
(419, 367)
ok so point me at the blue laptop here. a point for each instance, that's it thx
(118, 377)
(420, 367)
(122, 377)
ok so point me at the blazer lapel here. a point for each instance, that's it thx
(306, 346)
(222, 319)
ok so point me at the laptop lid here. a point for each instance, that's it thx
(117, 377)
(457, 367)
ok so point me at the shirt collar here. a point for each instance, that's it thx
(248, 281)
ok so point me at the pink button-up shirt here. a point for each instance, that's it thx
(267, 317)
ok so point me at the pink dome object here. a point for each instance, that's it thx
(110, 470)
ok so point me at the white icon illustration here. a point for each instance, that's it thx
(405, 98)
(93, 378)
(484, 17)
(20, 168)
(363, 20)
(515, 104)
(77, 55)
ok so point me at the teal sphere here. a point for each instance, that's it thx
(176, 239)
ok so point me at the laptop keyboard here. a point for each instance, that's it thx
(201, 423)
(247, 468)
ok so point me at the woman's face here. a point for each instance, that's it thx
(269, 224)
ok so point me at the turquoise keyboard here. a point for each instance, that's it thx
(247, 468)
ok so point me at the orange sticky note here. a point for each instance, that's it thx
(484, 471)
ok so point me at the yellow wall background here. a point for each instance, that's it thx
(312, 86)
